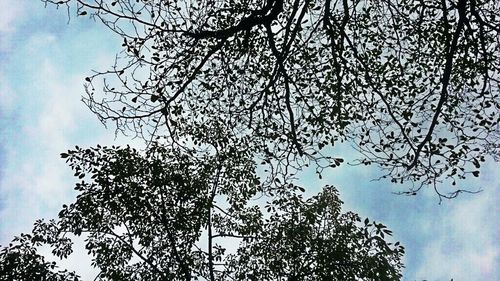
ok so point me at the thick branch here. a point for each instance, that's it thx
(282, 70)
(259, 17)
(445, 81)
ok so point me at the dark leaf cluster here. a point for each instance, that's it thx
(163, 215)
(413, 85)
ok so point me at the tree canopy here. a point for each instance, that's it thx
(221, 89)
(160, 215)
(413, 85)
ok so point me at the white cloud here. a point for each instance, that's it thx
(466, 245)
(36, 180)
(45, 98)
(10, 11)
(40, 42)
(60, 106)
(7, 97)
(43, 91)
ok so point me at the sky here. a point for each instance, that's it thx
(43, 62)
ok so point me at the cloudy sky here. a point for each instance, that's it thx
(43, 62)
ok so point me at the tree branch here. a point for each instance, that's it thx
(259, 17)
(448, 68)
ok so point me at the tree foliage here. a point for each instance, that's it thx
(215, 86)
(412, 84)
(21, 261)
(164, 215)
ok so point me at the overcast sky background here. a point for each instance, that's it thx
(43, 62)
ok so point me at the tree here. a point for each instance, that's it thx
(413, 85)
(165, 215)
(215, 86)
(21, 261)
